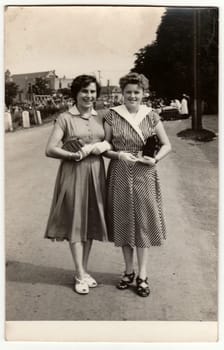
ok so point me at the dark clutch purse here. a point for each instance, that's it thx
(152, 146)
(73, 144)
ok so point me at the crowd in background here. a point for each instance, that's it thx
(51, 106)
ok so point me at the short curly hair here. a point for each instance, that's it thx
(134, 78)
(82, 81)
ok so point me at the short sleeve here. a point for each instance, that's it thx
(101, 114)
(60, 121)
(108, 117)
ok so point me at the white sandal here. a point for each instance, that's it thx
(90, 281)
(81, 286)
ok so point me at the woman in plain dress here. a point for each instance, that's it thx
(134, 205)
(184, 110)
(77, 211)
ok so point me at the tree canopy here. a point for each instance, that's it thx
(65, 92)
(168, 61)
(41, 87)
(11, 90)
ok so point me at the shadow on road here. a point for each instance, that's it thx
(29, 273)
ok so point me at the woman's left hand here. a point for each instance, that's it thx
(147, 160)
(101, 147)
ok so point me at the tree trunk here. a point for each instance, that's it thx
(196, 112)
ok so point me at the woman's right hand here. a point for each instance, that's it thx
(82, 153)
(127, 157)
(147, 160)
(77, 156)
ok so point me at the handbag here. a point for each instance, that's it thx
(152, 145)
(73, 144)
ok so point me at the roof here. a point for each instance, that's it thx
(23, 79)
(34, 75)
(111, 88)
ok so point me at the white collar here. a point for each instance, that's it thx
(74, 111)
(134, 122)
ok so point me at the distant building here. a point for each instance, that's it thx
(24, 80)
(117, 97)
(111, 93)
(63, 83)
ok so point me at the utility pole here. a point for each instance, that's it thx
(33, 103)
(196, 115)
(99, 72)
(108, 90)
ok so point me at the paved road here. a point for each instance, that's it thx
(183, 273)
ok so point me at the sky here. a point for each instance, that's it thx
(74, 40)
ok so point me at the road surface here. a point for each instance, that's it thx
(182, 273)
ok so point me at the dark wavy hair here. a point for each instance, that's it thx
(83, 81)
(134, 78)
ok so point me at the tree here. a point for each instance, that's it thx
(168, 62)
(65, 92)
(41, 87)
(11, 90)
(209, 58)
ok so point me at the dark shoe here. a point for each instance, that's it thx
(142, 287)
(126, 280)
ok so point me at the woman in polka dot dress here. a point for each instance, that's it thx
(77, 212)
(134, 207)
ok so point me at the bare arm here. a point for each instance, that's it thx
(164, 150)
(108, 137)
(53, 148)
(166, 146)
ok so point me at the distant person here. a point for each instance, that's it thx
(77, 209)
(105, 104)
(184, 110)
(69, 103)
(134, 208)
(175, 109)
(173, 104)
(149, 104)
(178, 104)
(17, 113)
(116, 101)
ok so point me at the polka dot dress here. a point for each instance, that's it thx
(134, 204)
(78, 205)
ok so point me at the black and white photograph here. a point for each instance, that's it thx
(111, 172)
